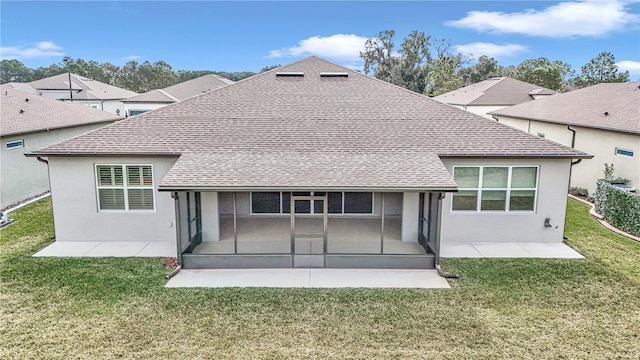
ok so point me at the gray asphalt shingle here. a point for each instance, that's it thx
(587, 107)
(24, 112)
(495, 91)
(239, 133)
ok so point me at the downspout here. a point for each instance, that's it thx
(174, 195)
(441, 272)
(49, 177)
(573, 143)
(576, 162)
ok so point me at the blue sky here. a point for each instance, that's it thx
(249, 35)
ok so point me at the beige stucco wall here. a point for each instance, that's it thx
(479, 110)
(75, 207)
(553, 180)
(22, 177)
(600, 143)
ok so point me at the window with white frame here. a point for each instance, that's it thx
(495, 188)
(339, 203)
(125, 187)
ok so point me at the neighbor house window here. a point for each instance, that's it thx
(15, 144)
(136, 112)
(495, 188)
(339, 203)
(125, 187)
(625, 152)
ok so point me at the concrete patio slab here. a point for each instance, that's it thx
(159, 249)
(67, 249)
(283, 278)
(121, 248)
(309, 278)
(509, 250)
(376, 278)
(465, 250)
(109, 248)
(497, 250)
(553, 251)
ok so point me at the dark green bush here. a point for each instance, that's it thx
(620, 208)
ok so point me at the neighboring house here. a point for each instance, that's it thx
(158, 98)
(309, 164)
(493, 94)
(30, 122)
(603, 120)
(85, 91)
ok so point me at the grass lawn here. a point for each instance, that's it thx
(117, 308)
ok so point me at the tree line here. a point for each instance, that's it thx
(428, 66)
(134, 76)
(422, 64)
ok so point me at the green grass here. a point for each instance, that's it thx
(117, 308)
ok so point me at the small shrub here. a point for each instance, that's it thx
(608, 172)
(578, 191)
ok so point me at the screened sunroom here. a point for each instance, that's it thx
(307, 229)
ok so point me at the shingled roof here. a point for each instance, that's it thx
(89, 89)
(24, 113)
(181, 91)
(296, 125)
(608, 106)
(500, 91)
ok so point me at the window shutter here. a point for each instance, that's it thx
(111, 199)
(140, 199)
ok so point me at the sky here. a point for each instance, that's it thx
(250, 35)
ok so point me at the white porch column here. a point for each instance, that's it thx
(410, 209)
(210, 216)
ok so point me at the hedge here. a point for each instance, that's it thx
(620, 208)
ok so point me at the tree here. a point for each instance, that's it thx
(14, 71)
(51, 70)
(413, 67)
(485, 68)
(444, 75)
(542, 72)
(271, 67)
(378, 57)
(601, 69)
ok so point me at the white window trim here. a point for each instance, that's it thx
(508, 189)
(341, 213)
(125, 187)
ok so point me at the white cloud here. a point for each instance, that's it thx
(565, 19)
(478, 49)
(341, 47)
(132, 57)
(633, 67)
(38, 50)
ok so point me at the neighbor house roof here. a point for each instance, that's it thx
(310, 124)
(609, 106)
(495, 91)
(24, 113)
(24, 87)
(182, 90)
(89, 89)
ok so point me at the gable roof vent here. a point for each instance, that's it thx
(289, 74)
(334, 74)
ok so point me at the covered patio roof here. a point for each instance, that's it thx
(324, 169)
